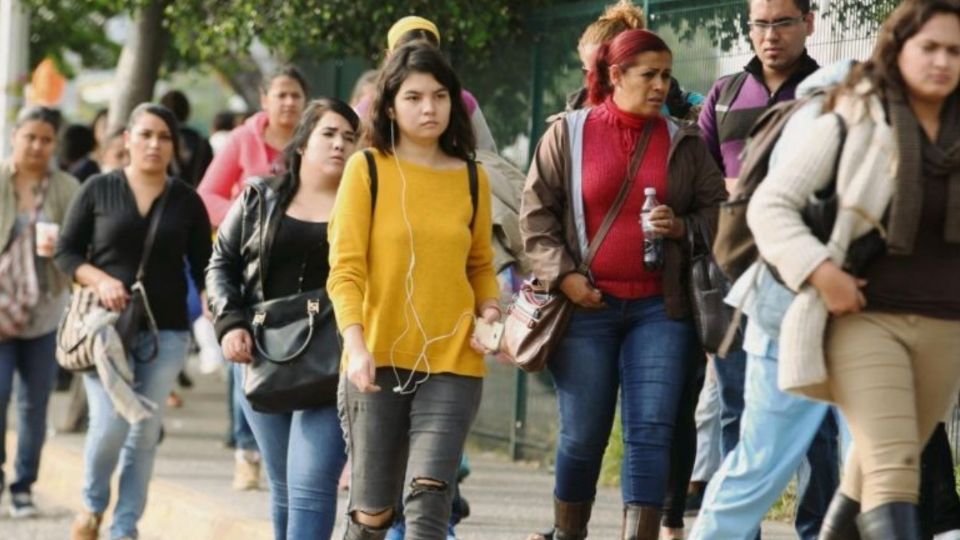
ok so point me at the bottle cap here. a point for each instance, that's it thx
(650, 191)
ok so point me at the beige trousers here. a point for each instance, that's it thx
(893, 376)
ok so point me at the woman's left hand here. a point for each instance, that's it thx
(666, 223)
(491, 314)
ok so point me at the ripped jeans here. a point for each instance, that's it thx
(413, 440)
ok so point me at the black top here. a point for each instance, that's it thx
(104, 227)
(924, 282)
(300, 251)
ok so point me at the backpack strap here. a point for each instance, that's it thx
(472, 173)
(372, 171)
(474, 188)
(728, 95)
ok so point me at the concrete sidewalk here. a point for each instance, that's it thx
(191, 498)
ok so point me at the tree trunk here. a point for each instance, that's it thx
(244, 77)
(139, 65)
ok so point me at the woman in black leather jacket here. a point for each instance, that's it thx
(304, 450)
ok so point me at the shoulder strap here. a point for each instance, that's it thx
(152, 231)
(832, 186)
(474, 188)
(372, 171)
(625, 187)
(728, 95)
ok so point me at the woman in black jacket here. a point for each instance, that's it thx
(304, 450)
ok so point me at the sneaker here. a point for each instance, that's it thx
(86, 526)
(246, 475)
(21, 506)
(397, 531)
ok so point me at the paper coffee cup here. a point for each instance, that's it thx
(47, 234)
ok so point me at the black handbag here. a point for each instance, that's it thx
(296, 356)
(708, 288)
(138, 316)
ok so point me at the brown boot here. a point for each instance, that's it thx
(640, 523)
(86, 526)
(569, 521)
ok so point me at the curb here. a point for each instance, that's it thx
(172, 511)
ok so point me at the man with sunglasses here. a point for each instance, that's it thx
(756, 467)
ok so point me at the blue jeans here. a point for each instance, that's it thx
(240, 432)
(34, 363)
(779, 431)
(707, 417)
(111, 439)
(631, 346)
(730, 373)
(304, 453)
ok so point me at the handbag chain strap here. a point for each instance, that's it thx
(638, 152)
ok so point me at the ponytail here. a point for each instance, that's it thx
(598, 78)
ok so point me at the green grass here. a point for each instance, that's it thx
(783, 510)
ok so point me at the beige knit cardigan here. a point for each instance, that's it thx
(865, 185)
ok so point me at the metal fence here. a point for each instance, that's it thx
(708, 38)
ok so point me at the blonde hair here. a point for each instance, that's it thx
(615, 20)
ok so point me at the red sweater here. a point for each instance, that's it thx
(608, 140)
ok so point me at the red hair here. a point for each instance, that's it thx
(620, 52)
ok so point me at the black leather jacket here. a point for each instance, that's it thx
(235, 275)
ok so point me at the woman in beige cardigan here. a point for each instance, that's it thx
(890, 333)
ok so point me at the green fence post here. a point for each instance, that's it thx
(519, 414)
(536, 95)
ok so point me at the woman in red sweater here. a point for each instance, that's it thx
(632, 331)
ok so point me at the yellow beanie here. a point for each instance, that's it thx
(407, 24)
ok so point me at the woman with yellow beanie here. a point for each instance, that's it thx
(412, 28)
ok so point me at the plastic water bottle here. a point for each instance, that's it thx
(652, 242)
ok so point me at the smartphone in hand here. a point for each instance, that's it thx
(488, 334)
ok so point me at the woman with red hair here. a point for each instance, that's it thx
(632, 330)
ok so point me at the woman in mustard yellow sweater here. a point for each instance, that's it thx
(411, 266)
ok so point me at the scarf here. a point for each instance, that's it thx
(915, 164)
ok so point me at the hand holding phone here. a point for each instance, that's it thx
(488, 335)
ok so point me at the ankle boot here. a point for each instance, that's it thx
(570, 519)
(640, 523)
(840, 523)
(891, 521)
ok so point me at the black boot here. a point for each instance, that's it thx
(640, 523)
(571, 519)
(891, 521)
(840, 523)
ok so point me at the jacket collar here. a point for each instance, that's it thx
(805, 66)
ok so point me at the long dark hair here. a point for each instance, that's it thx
(882, 68)
(458, 139)
(311, 116)
(169, 119)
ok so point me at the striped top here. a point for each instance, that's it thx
(725, 129)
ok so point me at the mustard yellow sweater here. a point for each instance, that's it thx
(453, 271)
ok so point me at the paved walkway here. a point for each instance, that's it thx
(191, 498)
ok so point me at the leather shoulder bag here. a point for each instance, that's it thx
(708, 288)
(537, 318)
(296, 353)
